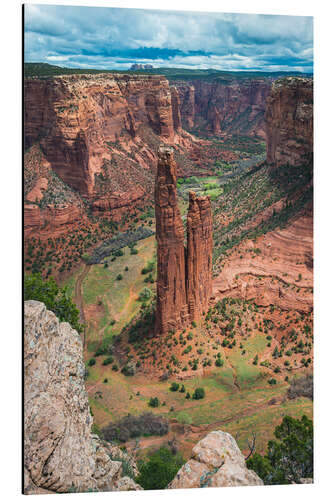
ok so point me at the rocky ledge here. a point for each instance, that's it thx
(60, 452)
(216, 461)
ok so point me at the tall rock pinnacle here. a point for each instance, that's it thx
(184, 276)
(171, 307)
(199, 255)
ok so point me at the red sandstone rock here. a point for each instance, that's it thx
(220, 103)
(53, 219)
(289, 121)
(74, 117)
(175, 101)
(184, 278)
(187, 104)
(199, 255)
(171, 306)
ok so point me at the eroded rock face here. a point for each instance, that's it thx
(184, 276)
(60, 453)
(199, 255)
(171, 305)
(95, 137)
(219, 105)
(289, 121)
(216, 462)
(74, 117)
(187, 104)
(175, 101)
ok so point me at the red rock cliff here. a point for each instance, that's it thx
(289, 121)
(199, 255)
(78, 119)
(184, 277)
(187, 104)
(225, 106)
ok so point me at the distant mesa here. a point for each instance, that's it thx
(136, 67)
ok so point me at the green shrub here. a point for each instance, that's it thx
(174, 387)
(199, 393)
(54, 298)
(108, 360)
(118, 253)
(219, 362)
(154, 402)
(145, 294)
(119, 277)
(159, 469)
(91, 362)
(290, 458)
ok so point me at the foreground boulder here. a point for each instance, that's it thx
(60, 452)
(216, 461)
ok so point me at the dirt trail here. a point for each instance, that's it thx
(124, 310)
(78, 297)
(234, 374)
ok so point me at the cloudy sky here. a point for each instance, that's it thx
(110, 38)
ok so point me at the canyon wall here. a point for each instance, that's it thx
(60, 452)
(289, 121)
(226, 107)
(76, 117)
(184, 281)
(282, 271)
(97, 137)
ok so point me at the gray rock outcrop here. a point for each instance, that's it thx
(216, 462)
(60, 452)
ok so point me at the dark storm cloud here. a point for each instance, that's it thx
(115, 38)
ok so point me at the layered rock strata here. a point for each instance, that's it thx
(289, 121)
(60, 452)
(230, 106)
(184, 282)
(282, 271)
(74, 117)
(96, 137)
(216, 462)
(186, 94)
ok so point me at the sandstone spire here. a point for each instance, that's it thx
(184, 277)
(199, 255)
(171, 307)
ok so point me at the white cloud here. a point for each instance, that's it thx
(226, 41)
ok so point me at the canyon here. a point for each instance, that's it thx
(184, 275)
(61, 452)
(220, 298)
(98, 136)
(282, 272)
